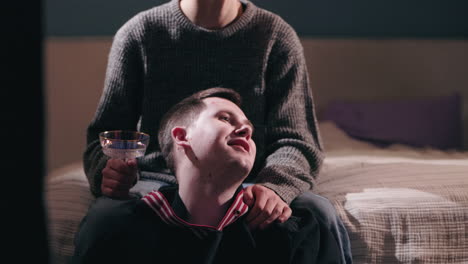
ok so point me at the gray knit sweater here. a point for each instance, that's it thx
(160, 57)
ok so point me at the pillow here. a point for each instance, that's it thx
(335, 139)
(420, 122)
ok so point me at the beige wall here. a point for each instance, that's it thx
(345, 69)
(75, 70)
(378, 69)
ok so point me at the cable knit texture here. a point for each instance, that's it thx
(160, 57)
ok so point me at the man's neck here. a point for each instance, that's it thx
(206, 202)
(211, 14)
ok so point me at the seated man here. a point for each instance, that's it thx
(206, 139)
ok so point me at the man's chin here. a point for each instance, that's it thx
(244, 168)
(241, 166)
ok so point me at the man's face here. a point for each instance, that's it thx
(221, 137)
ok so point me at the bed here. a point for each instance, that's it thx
(400, 204)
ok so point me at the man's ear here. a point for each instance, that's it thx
(179, 135)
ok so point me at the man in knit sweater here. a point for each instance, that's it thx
(207, 142)
(171, 51)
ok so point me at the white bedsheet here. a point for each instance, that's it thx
(399, 204)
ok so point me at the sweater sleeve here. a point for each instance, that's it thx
(120, 103)
(293, 146)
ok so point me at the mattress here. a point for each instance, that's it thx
(399, 204)
(68, 199)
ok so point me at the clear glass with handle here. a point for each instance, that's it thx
(124, 144)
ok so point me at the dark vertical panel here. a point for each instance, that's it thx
(23, 219)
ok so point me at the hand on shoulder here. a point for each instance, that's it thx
(265, 207)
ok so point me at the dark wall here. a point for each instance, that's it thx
(314, 18)
(22, 138)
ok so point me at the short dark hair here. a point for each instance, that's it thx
(184, 113)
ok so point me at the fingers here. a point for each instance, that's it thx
(115, 193)
(287, 212)
(132, 166)
(248, 196)
(115, 184)
(262, 213)
(118, 177)
(120, 170)
(273, 215)
(268, 207)
(273, 210)
(257, 209)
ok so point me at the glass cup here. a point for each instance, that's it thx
(124, 144)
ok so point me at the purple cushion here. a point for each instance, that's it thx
(422, 122)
